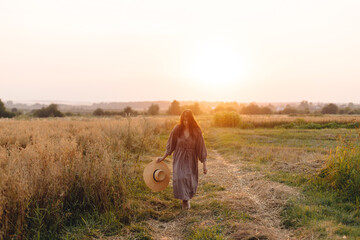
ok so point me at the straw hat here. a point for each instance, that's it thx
(156, 176)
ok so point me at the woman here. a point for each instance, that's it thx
(187, 143)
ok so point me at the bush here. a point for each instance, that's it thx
(227, 119)
(288, 110)
(99, 112)
(330, 109)
(153, 109)
(127, 112)
(252, 108)
(50, 111)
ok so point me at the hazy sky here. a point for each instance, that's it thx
(92, 51)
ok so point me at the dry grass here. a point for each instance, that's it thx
(269, 121)
(52, 172)
(52, 169)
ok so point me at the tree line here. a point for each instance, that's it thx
(303, 107)
(175, 108)
(154, 109)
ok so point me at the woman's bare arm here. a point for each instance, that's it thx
(205, 168)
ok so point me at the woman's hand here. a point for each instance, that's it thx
(205, 168)
(160, 159)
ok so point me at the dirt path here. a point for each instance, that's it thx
(246, 191)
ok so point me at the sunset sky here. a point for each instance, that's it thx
(96, 51)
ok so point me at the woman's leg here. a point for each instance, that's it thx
(186, 204)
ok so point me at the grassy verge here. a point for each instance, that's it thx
(320, 210)
(294, 157)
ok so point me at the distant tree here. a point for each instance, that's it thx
(4, 113)
(153, 109)
(265, 110)
(330, 108)
(69, 114)
(99, 112)
(304, 107)
(356, 111)
(195, 108)
(230, 107)
(351, 105)
(2, 107)
(347, 109)
(253, 108)
(289, 110)
(128, 111)
(221, 108)
(174, 108)
(271, 107)
(50, 111)
(16, 112)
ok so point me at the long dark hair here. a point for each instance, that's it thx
(192, 122)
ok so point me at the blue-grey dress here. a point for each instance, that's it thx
(186, 153)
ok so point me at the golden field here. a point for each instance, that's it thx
(81, 178)
(51, 168)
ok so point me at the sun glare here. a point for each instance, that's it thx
(216, 66)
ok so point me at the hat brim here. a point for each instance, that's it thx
(149, 173)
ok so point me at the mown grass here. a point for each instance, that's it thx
(329, 205)
(235, 143)
(206, 233)
(212, 219)
(331, 196)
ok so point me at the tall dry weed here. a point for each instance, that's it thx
(52, 171)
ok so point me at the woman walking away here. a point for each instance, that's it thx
(187, 143)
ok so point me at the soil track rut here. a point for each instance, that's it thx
(246, 191)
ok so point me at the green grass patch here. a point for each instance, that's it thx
(288, 178)
(231, 141)
(311, 125)
(206, 233)
(219, 211)
(320, 206)
(94, 226)
(211, 187)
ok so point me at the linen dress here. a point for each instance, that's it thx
(187, 152)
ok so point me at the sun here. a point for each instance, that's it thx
(216, 66)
